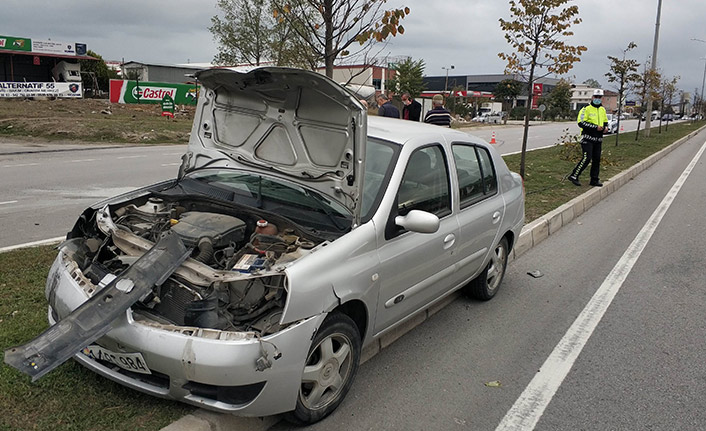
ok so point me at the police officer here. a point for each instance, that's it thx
(594, 122)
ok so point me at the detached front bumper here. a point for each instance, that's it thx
(208, 368)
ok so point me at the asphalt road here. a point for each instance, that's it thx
(641, 368)
(43, 193)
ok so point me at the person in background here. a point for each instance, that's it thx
(386, 108)
(593, 121)
(412, 109)
(438, 115)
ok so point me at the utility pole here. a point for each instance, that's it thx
(701, 102)
(446, 83)
(653, 67)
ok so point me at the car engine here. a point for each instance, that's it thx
(234, 279)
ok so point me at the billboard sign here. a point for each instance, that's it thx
(536, 93)
(122, 91)
(53, 47)
(63, 90)
(15, 44)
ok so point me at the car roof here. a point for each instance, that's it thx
(402, 131)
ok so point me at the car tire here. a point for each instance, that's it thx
(330, 368)
(486, 285)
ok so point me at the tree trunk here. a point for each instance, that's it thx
(329, 55)
(530, 87)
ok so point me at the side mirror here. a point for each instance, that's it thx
(418, 221)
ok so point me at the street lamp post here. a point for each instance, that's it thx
(703, 81)
(446, 83)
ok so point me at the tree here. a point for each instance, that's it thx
(592, 83)
(506, 92)
(669, 87)
(97, 69)
(559, 100)
(408, 77)
(646, 87)
(623, 72)
(330, 27)
(536, 33)
(247, 33)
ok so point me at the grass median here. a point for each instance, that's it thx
(73, 398)
(545, 170)
(70, 397)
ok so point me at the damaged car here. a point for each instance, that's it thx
(298, 231)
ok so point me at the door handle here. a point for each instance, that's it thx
(496, 217)
(449, 241)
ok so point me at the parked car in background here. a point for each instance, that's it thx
(297, 232)
(496, 117)
(668, 117)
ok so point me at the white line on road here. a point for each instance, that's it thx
(82, 160)
(33, 244)
(171, 164)
(131, 157)
(530, 406)
(7, 202)
(173, 154)
(20, 165)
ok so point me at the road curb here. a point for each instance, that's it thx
(49, 241)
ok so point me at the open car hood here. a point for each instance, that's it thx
(290, 123)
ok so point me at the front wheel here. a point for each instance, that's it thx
(330, 368)
(486, 285)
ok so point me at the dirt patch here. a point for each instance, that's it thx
(93, 120)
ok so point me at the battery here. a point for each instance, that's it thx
(250, 263)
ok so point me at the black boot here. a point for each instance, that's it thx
(574, 180)
(596, 183)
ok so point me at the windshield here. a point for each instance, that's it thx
(304, 206)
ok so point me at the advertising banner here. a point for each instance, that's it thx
(64, 90)
(53, 47)
(122, 91)
(15, 43)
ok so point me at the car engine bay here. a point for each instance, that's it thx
(234, 278)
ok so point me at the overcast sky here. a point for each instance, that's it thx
(463, 33)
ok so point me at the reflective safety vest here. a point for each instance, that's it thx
(592, 115)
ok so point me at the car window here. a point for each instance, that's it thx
(378, 167)
(490, 182)
(425, 184)
(475, 171)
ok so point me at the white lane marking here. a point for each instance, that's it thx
(529, 149)
(82, 160)
(171, 164)
(7, 202)
(173, 154)
(530, 406)
(131, 157)
(20, 165)
(49, 241)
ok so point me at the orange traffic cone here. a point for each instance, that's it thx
(492, 140)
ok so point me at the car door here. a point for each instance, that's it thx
(415, 267)
(481, 207)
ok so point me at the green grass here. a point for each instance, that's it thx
(70, 397)
(545, 170)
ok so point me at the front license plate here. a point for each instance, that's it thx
(127, 361)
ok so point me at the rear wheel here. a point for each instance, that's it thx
(486, 285)
(330, 369)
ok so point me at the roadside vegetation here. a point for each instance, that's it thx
(93, 120)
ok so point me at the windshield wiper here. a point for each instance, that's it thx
(322, 203)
